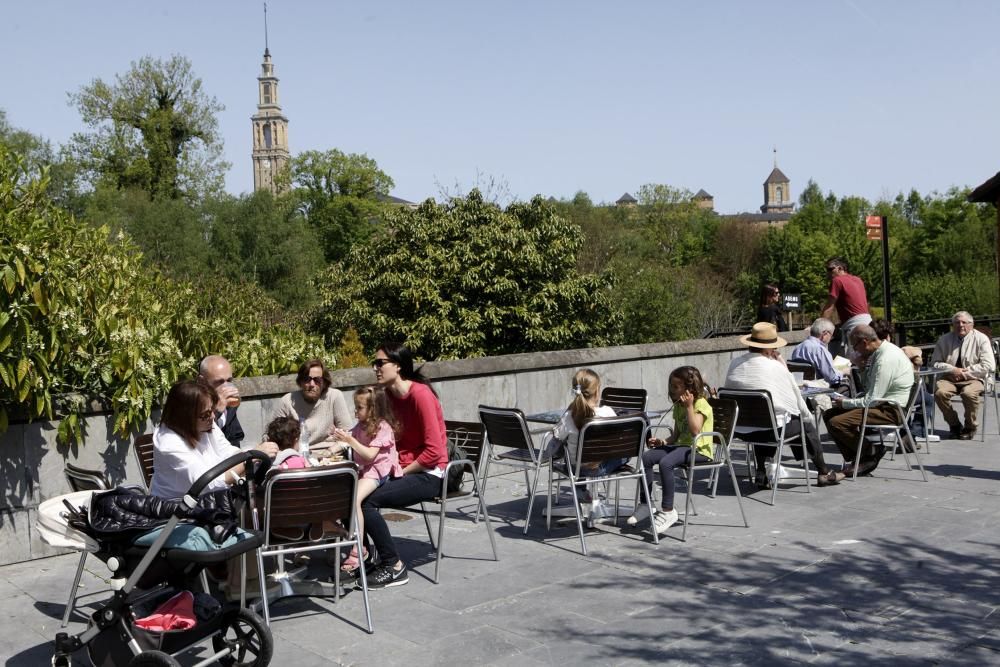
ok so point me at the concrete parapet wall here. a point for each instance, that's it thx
(31, 461)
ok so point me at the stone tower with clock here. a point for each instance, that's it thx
(270, 130)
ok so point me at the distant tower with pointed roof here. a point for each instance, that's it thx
(777, 191)
(270, 127)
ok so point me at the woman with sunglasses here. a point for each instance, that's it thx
(318, 403)
(423, 454)
(188, 442)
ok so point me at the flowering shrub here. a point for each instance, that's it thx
(82, 315)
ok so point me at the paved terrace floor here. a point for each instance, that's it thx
(888, 570)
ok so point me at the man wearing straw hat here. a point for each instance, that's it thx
(763, 367)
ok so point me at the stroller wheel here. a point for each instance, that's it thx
(246, 635)
(153, 659)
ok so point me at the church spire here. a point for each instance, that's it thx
(270, 126)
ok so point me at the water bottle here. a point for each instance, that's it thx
(303, 438)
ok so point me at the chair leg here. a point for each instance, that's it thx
(531, 498)
(736, 488)
(364, 584)
(777, 470)
(440, 540)
(916, 454)
(688, 508)
(486, 520)
(579, 518)
(71, 602)
(427, 523)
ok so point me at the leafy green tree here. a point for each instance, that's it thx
(38, 155)
(170, 232)
(154, 129)
(82, 314)
(468, 279)
(266, 240)
(341, 194)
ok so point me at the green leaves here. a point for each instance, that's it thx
(98, 321)
(468, 279)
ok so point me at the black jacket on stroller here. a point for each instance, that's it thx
(124, 513)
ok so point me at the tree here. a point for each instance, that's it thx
(266, 240)
(342, 195)
(81, 314)
(38, 155)
(171, 233)
(154, 129)
(469, 279)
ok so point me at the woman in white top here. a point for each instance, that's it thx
(188, 442)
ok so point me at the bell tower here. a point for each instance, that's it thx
(270, 126)
(777, 191)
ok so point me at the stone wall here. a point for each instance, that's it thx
(31, 462)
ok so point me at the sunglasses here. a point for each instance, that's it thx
(312, 380)
(379, 363)
(207, 414)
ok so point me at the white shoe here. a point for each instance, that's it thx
(663, 520)
(641, 513)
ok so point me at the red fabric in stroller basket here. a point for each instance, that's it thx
(177, 613)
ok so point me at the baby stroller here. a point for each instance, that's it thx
(150, 567)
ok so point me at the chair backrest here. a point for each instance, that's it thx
(144, 455)
(623, 398)
(808, 370)
(725, 414)
(82, 479)
(294, 498)
(610, 438)
(505, 427)
(756, 410)
(911, 401)
(468, 436)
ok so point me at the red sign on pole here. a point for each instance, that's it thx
(873, 225)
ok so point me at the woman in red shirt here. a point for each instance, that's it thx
(423, 454)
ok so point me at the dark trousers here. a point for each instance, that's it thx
(396, 492)
(844, 426)
(792, 431)
(667, 458)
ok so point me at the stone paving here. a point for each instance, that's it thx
(888, 570)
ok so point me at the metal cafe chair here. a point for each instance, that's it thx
(294, 498)
(143, 447)
(601, 439)
(469, 436)
(510, 444)
(624, 398)
(81, 479)
(725, 413)
(902, 414)
(756, 413)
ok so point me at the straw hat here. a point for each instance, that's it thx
(764, 335)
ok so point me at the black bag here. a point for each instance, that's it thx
(456, 474)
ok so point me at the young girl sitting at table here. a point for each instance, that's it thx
(587, 393)
(692, 415)
(373, 440)
(284, 432)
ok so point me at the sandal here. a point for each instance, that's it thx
(351, 562)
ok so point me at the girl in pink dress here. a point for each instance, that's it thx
(373, 441)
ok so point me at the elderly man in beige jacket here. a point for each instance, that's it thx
(967, 355)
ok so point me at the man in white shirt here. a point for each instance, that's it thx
(763, 367)
(967, 355)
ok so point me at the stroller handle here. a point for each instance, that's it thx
(191, 497)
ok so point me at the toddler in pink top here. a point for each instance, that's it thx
(284, 431)
(373, 440)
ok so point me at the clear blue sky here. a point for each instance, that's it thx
(865, 97)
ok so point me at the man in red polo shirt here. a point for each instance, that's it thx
(847, 297)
